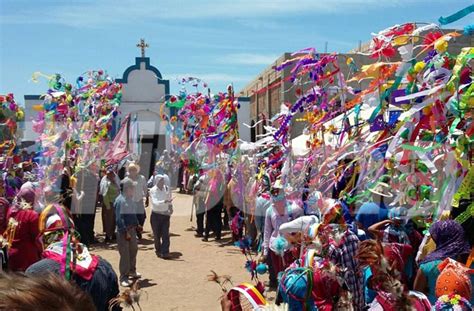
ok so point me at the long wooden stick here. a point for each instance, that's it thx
(192, 207)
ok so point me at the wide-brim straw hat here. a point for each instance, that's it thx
(134, 166)
(381, 189)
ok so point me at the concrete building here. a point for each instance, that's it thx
(271, 88)
(243, 117)
(144, 91)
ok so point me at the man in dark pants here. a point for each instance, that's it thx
(65, 187)
(214, 221)
(84, 211)
(200, 194)
(200, 213)
(161, 210)
(273, 280)
(181, 185)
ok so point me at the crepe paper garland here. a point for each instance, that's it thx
(469, 30)
(86, 113)
(417, 137)
(466, 215)
(195, 82)
(11, 114)
(208, 118)
(465, 189)
(175, 102)
(456, 16)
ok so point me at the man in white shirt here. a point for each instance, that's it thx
(161, 210)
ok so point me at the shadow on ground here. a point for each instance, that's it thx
(145, 283)
(175, 256)
(225, 242)
(144, 241)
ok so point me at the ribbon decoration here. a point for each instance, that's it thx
(456, 16)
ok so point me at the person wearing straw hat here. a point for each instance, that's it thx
(280, 212)
(127, 228)
(65, 188)
(214, 203)
(370, 212)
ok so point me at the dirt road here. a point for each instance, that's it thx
(181, 283)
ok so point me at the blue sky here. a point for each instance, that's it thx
(219, 41)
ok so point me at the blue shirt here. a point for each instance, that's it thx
(125, 213)
(369, 293)
(370, 213)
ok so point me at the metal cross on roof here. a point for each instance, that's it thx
(142, 45)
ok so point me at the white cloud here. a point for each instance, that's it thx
(247, 59)
(113, 12)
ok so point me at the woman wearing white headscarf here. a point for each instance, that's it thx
(161, 210)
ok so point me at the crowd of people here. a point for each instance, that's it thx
(49, 231)
(44, 237)
(375, 212)
(325, 254)
(322, 253)
(371, 255)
